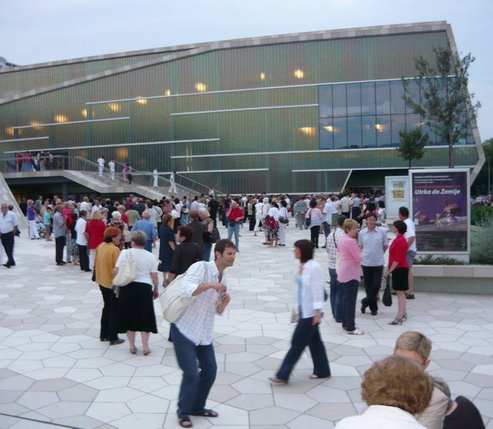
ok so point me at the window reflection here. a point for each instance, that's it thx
(370, 114)
(339, 100)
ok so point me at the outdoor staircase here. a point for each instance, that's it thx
(102, 185)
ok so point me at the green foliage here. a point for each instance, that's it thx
(437, 260)
(482, 244)
(481, 214)
(412, 145)
(480, 186)
(444, 104)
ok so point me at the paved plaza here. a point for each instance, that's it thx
(53, 367)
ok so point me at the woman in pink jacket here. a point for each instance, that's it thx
(348, 274)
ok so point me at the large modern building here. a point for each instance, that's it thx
(318, 111)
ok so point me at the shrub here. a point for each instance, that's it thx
(437, 260)
(482, 243)
(480, 214)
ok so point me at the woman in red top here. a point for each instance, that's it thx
(95, 235)
(399, 269)
(235, 216)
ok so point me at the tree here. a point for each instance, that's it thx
(412, 144)
(444, 102)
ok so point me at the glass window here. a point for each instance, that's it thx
(369, 138)
(398, 124)
(383, 97)
(413, 92)
(340, 133)
(326, 134)
(339, 100)
(325, 101)
(413, 121)
(353, 99)
(368, 98)
(397, 104)
(432, 137)
(382, 127)
(354, 132)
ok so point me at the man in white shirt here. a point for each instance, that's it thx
(155, 177)
(258, 216)
(85, 205)
(81, 241)
(8, 229)
(100, 165)
(412, 249)
(206, 284)
(346, 206)
(111, 166)
(172, 189)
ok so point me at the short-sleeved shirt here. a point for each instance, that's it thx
(106, 257)
(372, 244)
(145, 264)
(7, 222)
(166, 235)
(95, 230)
(411, 232)
(80, 229)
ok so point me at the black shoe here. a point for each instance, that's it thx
(88, 270)
(103, 339)
(374, 312)
(324, 247)
(63, 263)
(117, 341)
(60, 264)
(363, 308)
(6, 265)
(410, 295)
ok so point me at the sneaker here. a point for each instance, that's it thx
(356, 332)
(410, 295)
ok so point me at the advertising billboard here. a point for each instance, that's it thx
(440, 210)
(396, 194)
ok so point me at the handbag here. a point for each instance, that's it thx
(308, 220)
(387, 296)
(283, 219)
(127, 271)
(172, 301)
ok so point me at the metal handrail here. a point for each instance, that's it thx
(205, 188)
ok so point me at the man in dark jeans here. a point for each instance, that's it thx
(8, 229)
(373, 242)
(60, 233)
(192, 332)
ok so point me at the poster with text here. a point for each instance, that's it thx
(440, 210)
(396, 195)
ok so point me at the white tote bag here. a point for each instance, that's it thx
(127, 271)
(172, 301)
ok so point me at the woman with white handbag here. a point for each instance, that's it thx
(135, 297)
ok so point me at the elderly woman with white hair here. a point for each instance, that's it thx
(208, 236)
(117, 222)
(136, 309)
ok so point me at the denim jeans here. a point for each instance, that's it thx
(373, 281)
(335, 296)
(199, 367)
(234, 229)
(349, 294)
(305, 334)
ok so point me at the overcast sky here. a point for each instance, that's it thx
(33, 31)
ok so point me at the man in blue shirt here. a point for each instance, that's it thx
(146, 226)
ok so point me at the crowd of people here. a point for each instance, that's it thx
(102, 235)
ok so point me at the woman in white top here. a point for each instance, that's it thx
(309, 311)
(283, 222)
(136, 309)
(315, 216)
(395, 389)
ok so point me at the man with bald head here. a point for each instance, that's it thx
(145, 224)
(8, 229)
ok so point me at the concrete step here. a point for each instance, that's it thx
(6, 196)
